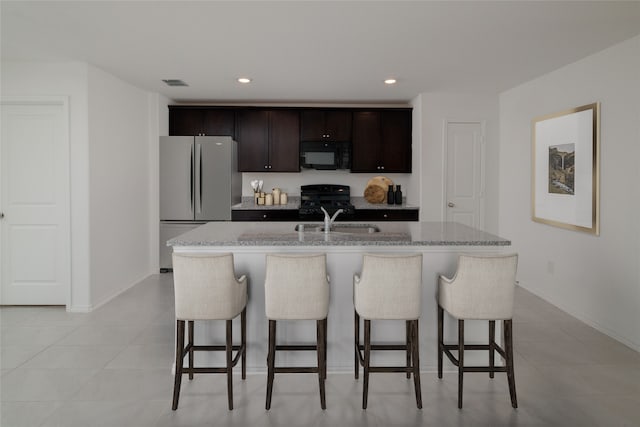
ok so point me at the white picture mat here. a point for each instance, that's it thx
(577, 209)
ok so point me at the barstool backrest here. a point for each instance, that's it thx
(205, 287)
(389, 287)
(482, 288)
(296, 287)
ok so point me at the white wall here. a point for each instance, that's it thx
(596, 279)
(120, 199)
(67, 79)
(436, 109)
(158, 126)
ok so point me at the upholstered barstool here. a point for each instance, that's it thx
(206, 288)
(388, 288)
(297, 288)
(482, 289)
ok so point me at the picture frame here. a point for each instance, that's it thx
(565, 184)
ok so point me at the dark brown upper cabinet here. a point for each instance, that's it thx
(381, 141)
(201, 121)
(325, 125)
(268, 140)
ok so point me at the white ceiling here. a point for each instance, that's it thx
(316, 51)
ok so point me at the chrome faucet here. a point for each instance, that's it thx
(328, 220)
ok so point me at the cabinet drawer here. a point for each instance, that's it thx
(386, 215)
(265, 215)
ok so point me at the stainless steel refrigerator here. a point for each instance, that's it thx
(199, 182)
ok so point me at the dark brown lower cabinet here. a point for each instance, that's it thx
(386, 215)
(265, 215)
(376, 215)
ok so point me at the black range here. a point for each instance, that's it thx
(331, 197)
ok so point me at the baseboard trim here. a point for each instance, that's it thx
(92, 307)
(596, 325)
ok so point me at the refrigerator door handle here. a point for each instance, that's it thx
(191, 178)
(199, 178)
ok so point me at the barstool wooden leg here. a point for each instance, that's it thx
(191, 350)
(460, 360)
(324, 324)
(415, 348)
(440, 339)
(508, 338)
(271, 361)
(179, 356)
(492, 343)
(357, 343)
(367, 359)
(229, 350)
(320, 344)
(409, 351)
(243, 343)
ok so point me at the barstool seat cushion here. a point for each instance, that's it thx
(389, 287)
(296, 287)
(206, 287)
(482, 288)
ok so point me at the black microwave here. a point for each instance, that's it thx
(325, 155)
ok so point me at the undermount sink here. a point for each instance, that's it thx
(340, 228)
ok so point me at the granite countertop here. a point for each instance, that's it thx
(224, 233)
(361, 203)
(294, 203)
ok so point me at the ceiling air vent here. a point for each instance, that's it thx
(175, 82)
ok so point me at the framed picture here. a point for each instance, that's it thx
(566, 169)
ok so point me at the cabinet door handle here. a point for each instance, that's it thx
(382, 167)
(266, 167)
(264, 216)
(451, 204)
(385, 215)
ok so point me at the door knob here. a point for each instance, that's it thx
(450, 204)
(1, 215)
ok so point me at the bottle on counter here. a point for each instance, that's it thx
(268, 199)
(284, 198)
(390, 195)
(398, 195)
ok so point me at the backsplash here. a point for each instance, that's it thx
(291, 182)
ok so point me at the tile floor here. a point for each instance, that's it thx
(110, 368)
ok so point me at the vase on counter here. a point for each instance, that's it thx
(390, 195)
(276, 196)
(398, 195)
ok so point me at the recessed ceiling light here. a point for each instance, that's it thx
(390, 81)
(244, 80)
(175, 82)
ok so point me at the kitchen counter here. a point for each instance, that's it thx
(283, 234)
(362, 203)
(293, 202)
(248, 203)
(438, 242)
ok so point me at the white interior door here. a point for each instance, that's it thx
(464, 173)
(35, 237)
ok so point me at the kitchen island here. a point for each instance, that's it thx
(439, 242)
